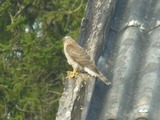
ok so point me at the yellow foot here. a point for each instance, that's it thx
(71, 74)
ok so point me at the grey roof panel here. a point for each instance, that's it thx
(127, 51)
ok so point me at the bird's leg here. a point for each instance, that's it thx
(72, 74)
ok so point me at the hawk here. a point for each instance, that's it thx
(79, 59)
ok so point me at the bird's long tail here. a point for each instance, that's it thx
(104, 79)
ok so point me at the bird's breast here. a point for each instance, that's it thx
(70, 61)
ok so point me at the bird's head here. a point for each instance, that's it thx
(67, 38)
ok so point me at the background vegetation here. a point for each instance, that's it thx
(32, 63)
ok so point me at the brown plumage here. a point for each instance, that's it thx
(78, 58)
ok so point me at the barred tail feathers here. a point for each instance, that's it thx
(97, 74)
(104, 79)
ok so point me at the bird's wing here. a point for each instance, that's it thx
(79, 55)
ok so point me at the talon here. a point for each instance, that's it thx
(74, 73)
(71, 74)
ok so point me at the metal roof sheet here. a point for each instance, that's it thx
(123, 37)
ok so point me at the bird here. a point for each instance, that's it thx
(79, 59)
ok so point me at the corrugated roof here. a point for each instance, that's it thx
(124, 39)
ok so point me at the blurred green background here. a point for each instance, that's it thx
(32, 63)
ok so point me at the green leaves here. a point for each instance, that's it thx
(32, 62)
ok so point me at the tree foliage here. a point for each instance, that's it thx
(31, 57)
